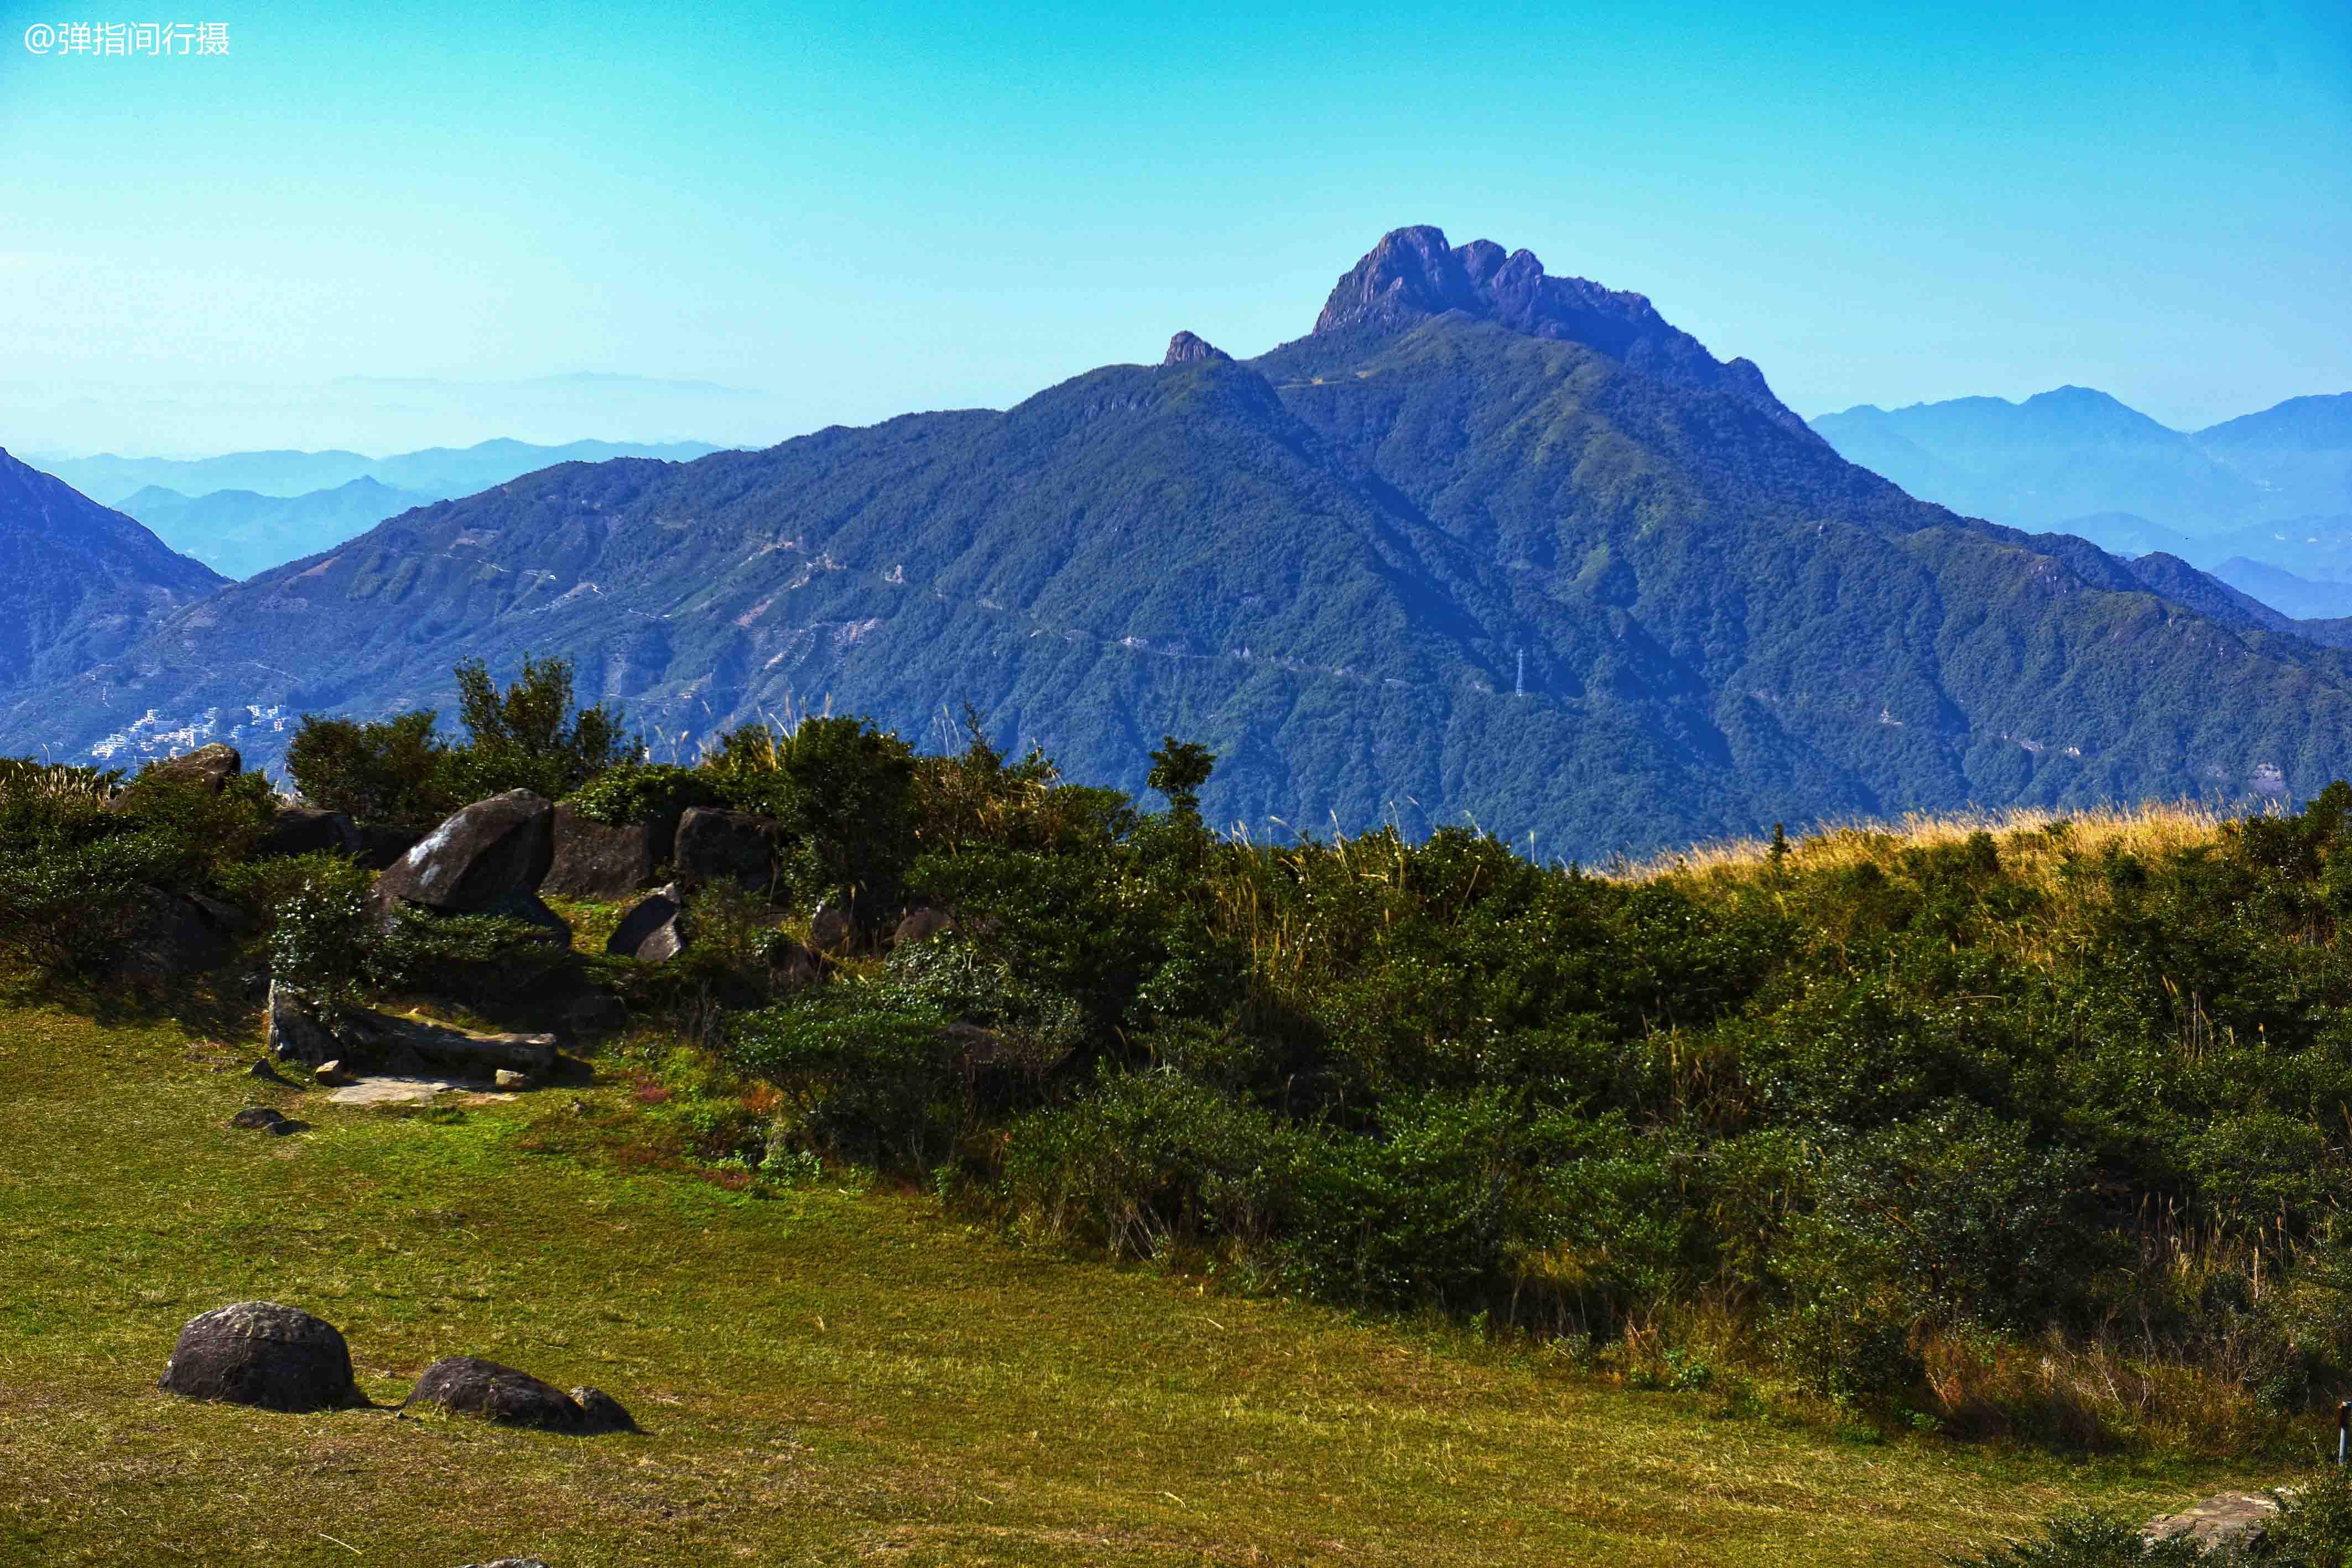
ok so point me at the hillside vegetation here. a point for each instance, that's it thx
(1861, 1198)
(2033, 1127)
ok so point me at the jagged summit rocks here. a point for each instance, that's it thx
(1413, 274)
(1189, 348)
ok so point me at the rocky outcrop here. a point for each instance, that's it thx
(654, 931)
(364, 1040)
(178, 935)
(298, 1030)
(792, 966)
(481, 856)
(260, 1353)
(922, 925)
(834, 929)
(714, 845)
(469, 1385)
(381, 846)
(307, 830)
(207, 768)
(595, 861)
(1413, 275)
(1187, 348)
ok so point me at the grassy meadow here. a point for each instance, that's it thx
(841, 1372)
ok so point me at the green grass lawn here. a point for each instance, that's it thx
(827, 1377)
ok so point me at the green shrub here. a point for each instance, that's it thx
(395, 771)
(872, 1083)
(69, 906)
(320, 940)
(1150, 1159)
(635, 792)
(399, 770)
(470, 957)
(1432, 1209)
(530, 735)
(842, 791)
(2313, 1527)
(78, 857)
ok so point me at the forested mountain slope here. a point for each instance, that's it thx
(1478, 546)
(78, 583)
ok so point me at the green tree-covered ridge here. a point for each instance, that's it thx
(1331, 565)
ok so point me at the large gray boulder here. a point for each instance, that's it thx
(260, 1353)
(595, 861)
(469, 1385)
(654, 931)
(482, 855)
(714, 845)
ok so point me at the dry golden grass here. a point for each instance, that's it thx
(2028, 848)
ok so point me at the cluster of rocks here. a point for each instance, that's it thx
(343, 1040)
(498, 856)
(280, 1358)
(178, 934)
(702, 844)
(469, 1385)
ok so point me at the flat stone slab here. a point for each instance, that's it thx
(399, 1091)
(2229, 1517)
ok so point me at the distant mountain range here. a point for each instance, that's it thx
(240, 532)
(1488, 544)
(247, 511)
(78, 583)
(437, 471)
(2078, 460)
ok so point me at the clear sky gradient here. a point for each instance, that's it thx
(847, 212)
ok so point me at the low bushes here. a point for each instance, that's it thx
(80, 853)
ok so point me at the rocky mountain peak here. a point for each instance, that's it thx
(1188, 348)
(1413, 274)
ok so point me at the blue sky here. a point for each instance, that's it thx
(846, 211)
